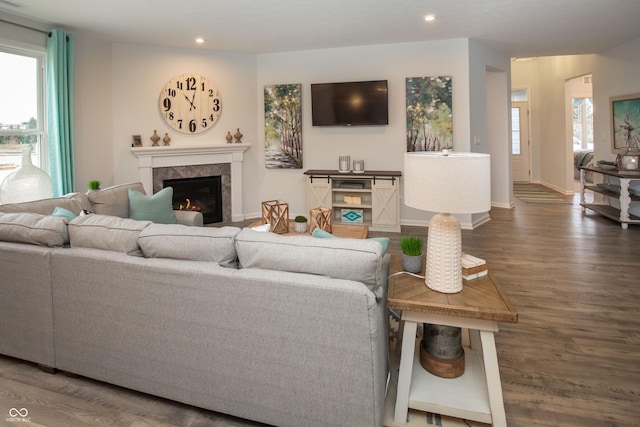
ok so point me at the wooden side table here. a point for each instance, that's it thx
(477, 394)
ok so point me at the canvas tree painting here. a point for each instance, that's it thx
(429, 118)
(283, 126)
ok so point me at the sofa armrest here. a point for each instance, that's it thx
(192, 218)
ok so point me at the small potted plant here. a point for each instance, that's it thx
(300, 224)
(412, 253)
(93, 185)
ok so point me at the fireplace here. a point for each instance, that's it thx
(202, 194)
(156, 164)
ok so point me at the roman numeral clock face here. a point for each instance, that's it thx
(190, 104)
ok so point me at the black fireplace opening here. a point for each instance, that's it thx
(202, 194)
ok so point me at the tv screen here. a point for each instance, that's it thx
(349, 103)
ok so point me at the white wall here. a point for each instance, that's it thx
(93, 119)
(490, 118)
(140, 72)
(615, 72)
(380, 147)
(117, 88)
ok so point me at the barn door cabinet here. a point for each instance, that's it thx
(371, 198)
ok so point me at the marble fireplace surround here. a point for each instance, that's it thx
(196, 161)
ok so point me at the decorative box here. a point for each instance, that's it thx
(352, 215)
(320, 218)
(276, 214)
(353, 200)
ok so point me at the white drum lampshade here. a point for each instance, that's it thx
(447, 183)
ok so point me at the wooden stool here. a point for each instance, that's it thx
(320, 218)
(276, 214)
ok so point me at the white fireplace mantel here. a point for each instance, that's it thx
(169, 156)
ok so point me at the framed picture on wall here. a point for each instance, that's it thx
(283, 126)
(625, 123)
(137, 141)
(429, 113)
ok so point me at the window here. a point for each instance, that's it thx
(518, 95)
(515, 131)
(21, 109)
(582, 123)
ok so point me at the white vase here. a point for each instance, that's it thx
(27, 183)
(300, 227)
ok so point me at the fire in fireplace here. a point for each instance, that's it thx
(202, 194)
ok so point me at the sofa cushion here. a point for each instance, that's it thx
(106, 232)
(73, 202)
(351, 259)
(156, 208)
(33, 228)
(113, 200)
(191, 243)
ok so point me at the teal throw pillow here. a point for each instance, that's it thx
(318, 232)
(157, 208)
(63, 213)
(384, 241)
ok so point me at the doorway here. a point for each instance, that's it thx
(579, 124)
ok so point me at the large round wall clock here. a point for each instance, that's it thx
(190, 104)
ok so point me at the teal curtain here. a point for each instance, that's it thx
(59, 98)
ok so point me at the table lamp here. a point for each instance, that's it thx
(447, 183)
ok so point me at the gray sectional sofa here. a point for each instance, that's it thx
(288, 331)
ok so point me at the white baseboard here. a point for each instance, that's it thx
(558, 189)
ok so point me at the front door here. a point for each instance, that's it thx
(520, 145)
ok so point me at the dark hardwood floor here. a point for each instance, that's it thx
(573, 359)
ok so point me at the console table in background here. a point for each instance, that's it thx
(477, 394)
(611, 191)
(374, 193)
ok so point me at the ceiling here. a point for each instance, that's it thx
(522, 28)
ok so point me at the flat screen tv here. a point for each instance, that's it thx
(350, 103)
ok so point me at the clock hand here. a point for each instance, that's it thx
(192, 107)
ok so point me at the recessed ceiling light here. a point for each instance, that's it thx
(199, 40)
(430, 18)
